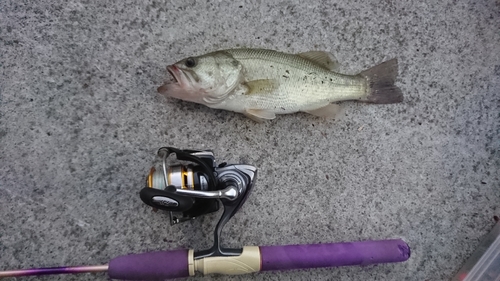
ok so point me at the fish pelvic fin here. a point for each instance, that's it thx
(380, 80)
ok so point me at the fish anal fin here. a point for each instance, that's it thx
(323, 59)
(261, 86)
(259, 115)
(330, 111)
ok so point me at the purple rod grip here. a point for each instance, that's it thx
(333, 254)
(150, 266)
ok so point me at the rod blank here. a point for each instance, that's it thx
(54, 270)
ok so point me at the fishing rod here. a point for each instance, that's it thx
(200, 187)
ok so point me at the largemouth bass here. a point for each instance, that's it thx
(262, 83)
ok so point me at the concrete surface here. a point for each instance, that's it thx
(80, 123)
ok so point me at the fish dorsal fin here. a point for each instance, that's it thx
(323, 59)
(261, 86)
(259, 115)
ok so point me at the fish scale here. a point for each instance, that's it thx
(303, 87)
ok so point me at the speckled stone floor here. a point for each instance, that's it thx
(81, 121)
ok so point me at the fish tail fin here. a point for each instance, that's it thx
(380, 80)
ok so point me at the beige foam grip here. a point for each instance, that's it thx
(191, 262)
(247, 262)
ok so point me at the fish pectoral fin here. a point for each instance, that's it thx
(259, 115)
(329, 111)
(261, 86)
(323, 59)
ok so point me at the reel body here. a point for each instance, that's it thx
(198, 188)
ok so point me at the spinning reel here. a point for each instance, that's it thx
(198, 188)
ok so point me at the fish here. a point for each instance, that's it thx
(262, 83)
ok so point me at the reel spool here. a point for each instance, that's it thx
(165, 187)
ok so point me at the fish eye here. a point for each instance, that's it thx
(190, 62)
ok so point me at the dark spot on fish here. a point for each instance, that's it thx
(31, 99)
(418, 50)
(282, 108)
(285, 76)
(496, 218)
(271, 66)
(327, 177)
(483, 182)
(49, 134)
(240, 6)
(322, 82)
(331, 79)
(85, 86)
(287, 72)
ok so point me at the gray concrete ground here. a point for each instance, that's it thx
(80, 123)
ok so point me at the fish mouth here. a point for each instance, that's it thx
(174, 71)
(181, 86)
(175, 82)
